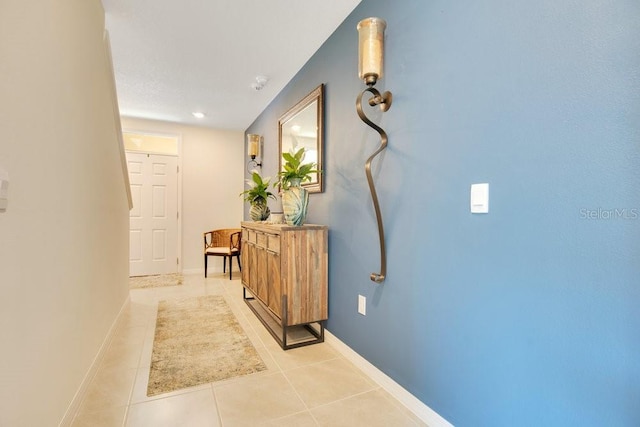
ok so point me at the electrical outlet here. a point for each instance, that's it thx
(362, 305)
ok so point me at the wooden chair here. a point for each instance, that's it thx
(226, 243)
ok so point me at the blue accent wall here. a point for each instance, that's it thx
(527, 315)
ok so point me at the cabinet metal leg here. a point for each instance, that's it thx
(281, 335)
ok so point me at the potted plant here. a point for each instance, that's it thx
(257, 196)
(295, 198)
(294, 171)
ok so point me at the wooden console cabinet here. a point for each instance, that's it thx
(284, 270)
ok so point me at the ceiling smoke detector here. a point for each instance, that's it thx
(259, 83)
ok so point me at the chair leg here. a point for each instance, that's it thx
(205, 266)
(230, 267)
(224, 264)
(239, 265)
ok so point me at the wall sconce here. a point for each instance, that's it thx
(370, 67)
(253, 150)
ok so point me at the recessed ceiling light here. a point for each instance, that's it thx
(198, 114)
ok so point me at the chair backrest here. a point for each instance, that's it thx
(223, 238)
(236, 240)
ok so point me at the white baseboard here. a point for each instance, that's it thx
(412, 403)
(74, 406)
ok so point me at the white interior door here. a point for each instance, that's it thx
(153, 221)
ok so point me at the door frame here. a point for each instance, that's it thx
(178, 137)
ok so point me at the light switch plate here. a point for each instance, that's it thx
(480, 198)
(362, 305)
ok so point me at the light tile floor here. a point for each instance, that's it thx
(307, 386)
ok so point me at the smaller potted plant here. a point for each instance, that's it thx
(295, 198)
(257, 196)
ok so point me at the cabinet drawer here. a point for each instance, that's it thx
(273, 243)
(249, 235)
(261, 240)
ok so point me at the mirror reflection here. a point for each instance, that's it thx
(300, 127)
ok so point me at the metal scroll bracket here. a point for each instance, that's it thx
(384, 101)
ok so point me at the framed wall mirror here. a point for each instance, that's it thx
(303, 126)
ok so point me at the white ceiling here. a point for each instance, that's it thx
(172, 58)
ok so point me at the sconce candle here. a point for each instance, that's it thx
(370, 49)
(253, 145)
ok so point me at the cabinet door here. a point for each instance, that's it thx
(251, 267)
(304, 275)
(244, 256)
(273, 275)
(262, 281)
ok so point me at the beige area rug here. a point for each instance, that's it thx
(198, 341)
(155, 281)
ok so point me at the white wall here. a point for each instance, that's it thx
(213, 167)
(63, 239)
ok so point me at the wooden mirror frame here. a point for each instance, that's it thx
(317, 96)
